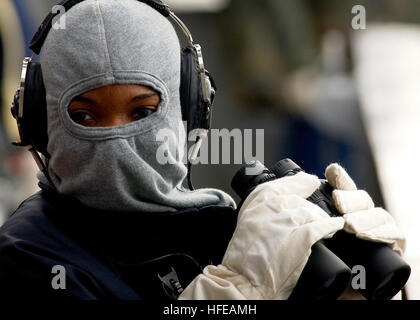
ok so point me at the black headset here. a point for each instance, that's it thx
(29, 107)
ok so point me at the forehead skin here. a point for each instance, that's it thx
(117, 94)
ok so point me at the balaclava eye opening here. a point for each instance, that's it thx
(109, 42)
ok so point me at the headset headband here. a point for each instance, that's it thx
(46, 25)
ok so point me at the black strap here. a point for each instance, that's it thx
(46, 25)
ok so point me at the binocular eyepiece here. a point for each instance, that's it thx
(328, 272)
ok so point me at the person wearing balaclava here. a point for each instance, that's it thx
(112, 220)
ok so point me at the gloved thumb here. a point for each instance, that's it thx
(338, 178)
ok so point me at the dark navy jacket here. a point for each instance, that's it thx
(106, 255)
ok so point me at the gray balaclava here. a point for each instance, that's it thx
(116, 168)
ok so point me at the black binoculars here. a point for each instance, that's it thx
(328, 272)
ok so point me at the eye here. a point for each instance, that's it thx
(80, 117)
(143, 112)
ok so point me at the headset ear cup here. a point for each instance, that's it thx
(34, 122)
(190, 89)
(184, 89)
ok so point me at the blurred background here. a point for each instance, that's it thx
(322, 90)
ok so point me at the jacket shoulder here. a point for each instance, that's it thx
(31, 248)
(28, 218)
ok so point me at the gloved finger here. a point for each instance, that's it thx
(376, 225)
(347, 201)
(301, 184)
(338, 178)
(295, 188)
(362, 221)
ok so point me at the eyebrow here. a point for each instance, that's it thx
(144, 96)
(83, 99)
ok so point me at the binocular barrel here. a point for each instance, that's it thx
(325, 276)
(328, 265)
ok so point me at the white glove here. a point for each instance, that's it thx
(360, 215)
(271, 244)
